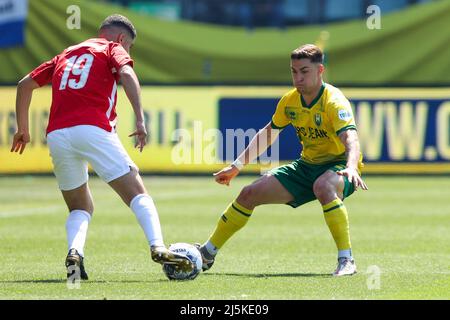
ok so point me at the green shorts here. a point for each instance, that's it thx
(298, 178)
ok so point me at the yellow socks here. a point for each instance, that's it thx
(236, 216)
(337, 220)
(233, 219)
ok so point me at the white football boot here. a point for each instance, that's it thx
(345, 267)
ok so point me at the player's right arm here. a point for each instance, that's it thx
(39, 77)
(25, 89)
(260, 142)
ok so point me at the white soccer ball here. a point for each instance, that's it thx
(189, 251)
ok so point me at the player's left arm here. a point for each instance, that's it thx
(25, 89)
(350, 140)
(132, 88)
(121, 61)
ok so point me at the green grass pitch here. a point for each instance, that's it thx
(401, 227)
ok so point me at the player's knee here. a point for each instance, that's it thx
(322, 188)
(250, 197)
(247, 196)
(246, 193)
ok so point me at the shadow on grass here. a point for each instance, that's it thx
(272, 275)
(244, 275)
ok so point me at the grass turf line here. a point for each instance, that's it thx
(401, 226)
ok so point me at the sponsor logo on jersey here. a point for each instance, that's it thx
(318, 119)
(311, 133)
(292, 113)
(345, 115)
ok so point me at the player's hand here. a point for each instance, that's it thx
(354, 177)
(225, 175)
(141, 136)
(20, 140)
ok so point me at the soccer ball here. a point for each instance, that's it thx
(189, 251)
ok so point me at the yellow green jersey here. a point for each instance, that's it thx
(318, 124)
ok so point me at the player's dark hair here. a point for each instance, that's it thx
(308, 51)
(117, 20)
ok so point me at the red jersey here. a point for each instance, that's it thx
(84, 84)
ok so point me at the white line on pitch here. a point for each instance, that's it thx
(31, 211)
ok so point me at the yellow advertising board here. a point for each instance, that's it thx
(181, 123)
(196, 129)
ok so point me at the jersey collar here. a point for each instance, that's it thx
(319, 95)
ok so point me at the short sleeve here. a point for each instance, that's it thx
(279, 118)
(119, 57)
(341, 114)
(44, 73)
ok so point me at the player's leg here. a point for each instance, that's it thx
(79, 199)
(80, 205)
(72, 176)
(131, 189)
(330, 189)
(109, 159)
(265, 190)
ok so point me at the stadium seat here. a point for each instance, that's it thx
(296, 11)
(340, 10)
(390, 5)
